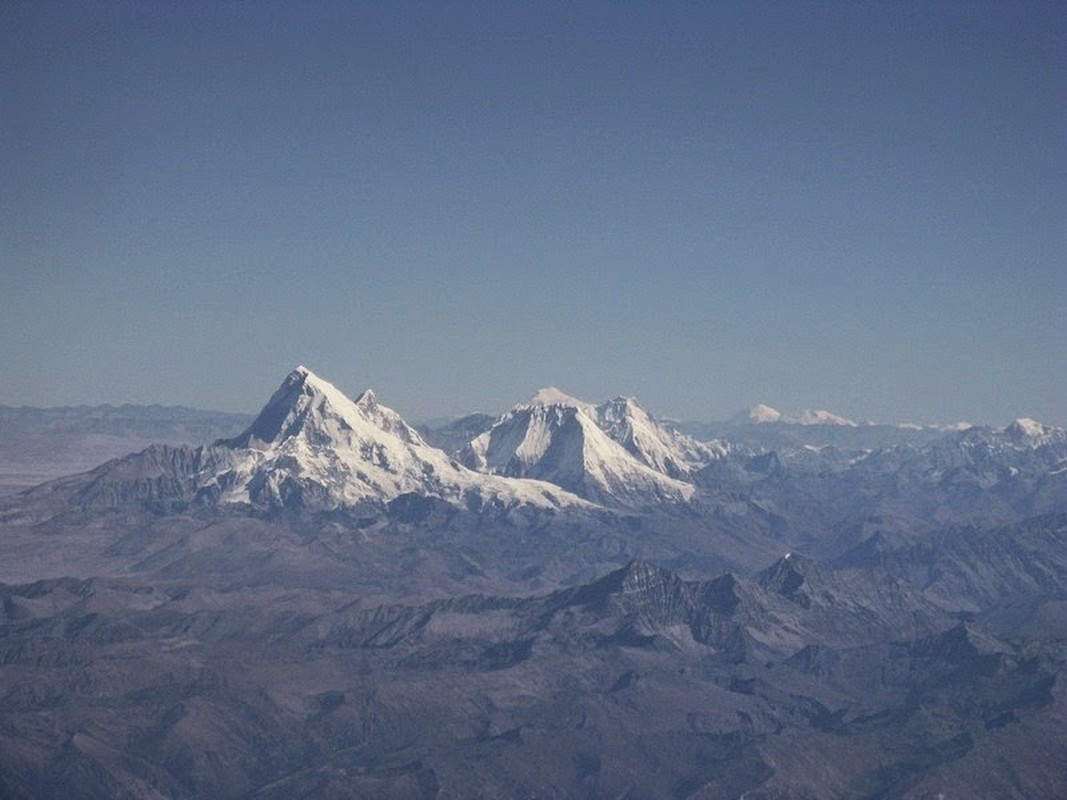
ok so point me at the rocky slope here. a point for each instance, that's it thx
(637, 684)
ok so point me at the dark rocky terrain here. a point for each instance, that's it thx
(797, 682)
(203, 622)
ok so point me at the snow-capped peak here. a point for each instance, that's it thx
(761, 413)
(666, 451)
(1031, 432)
(621, 409)
(1028, 427)
(954, 427)
(312, 442)
(303, 376)
(946, 427)
(562, 441)
(551, 396)
(305, 405)
(818, 417)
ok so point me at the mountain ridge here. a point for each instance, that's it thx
(323, 604)
(312, 447)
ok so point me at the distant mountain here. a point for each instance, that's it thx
(39, 444)
(158, 423)
(758, 414)
(761, 414)
(628, 462)
(799, 442)
(661, 448)
(313, 449)
(1015, 574)
(804, 435)
(996, 473)
(453, 434)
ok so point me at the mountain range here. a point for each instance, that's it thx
(39, 444)
(569, 599)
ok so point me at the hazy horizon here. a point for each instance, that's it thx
(856, 207)
(436, 418)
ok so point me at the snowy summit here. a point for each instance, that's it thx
(551, 396)
(761, 414)
(313, 445)
(614, 453)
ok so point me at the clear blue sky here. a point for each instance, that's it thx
(856, 206)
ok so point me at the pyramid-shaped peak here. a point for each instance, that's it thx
(303, 374)
(621, 403)
(640, 573)
(551, 396)
(309, 405)
(622, 408)
(657, 594)
(787, 574)
(288, 406)
(312, 384)
(304, 378)
(652, 444)
(963, 642)
(636, 576)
